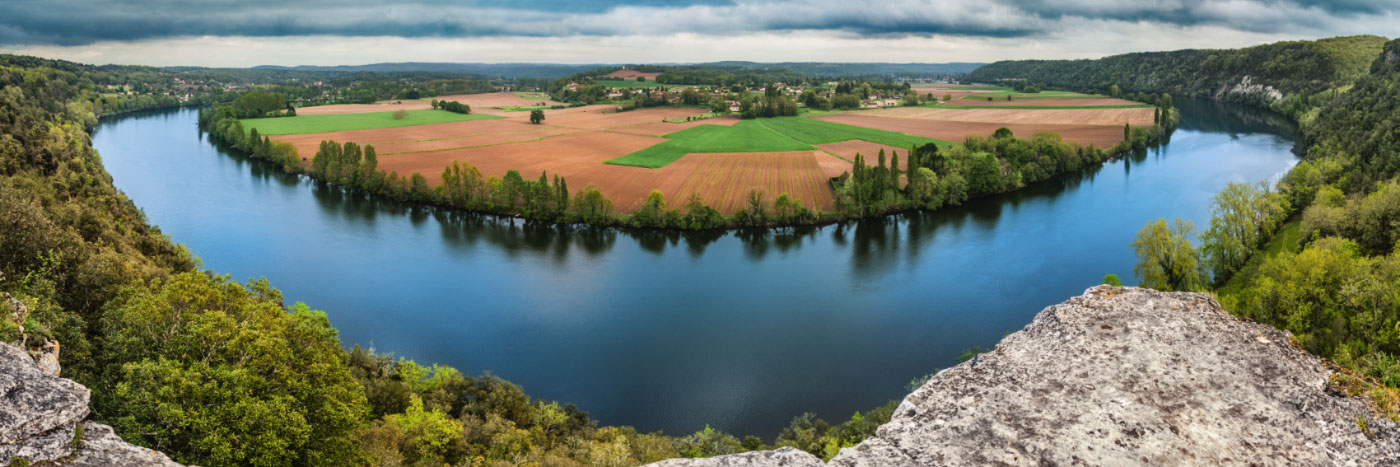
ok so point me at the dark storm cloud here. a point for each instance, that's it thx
(75, 22)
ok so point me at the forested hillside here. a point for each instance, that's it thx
(1285, 76)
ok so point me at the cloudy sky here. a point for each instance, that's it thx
(338, 32)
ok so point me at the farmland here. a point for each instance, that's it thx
(761, 135)
(612, 83)
(356, 121)
(720, 158)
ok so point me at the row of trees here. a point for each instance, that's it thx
(934, 176)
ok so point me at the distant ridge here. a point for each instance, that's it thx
(555, 70)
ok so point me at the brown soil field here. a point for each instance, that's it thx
(576, 156)
(666, 128)
(832, 166)
(1098, 135)
(631, 75)
(1117, 117)
(595, 119)
(474, 141)
(724, 180)
(1052, 101)
(307, 144)
(871, 152)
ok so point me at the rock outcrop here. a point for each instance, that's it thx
(1125, 376)
(41, 416)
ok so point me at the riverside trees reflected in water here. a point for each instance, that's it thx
(741, 330)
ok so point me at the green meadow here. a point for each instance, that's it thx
(762, 135)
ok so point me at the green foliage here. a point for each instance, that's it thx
(454, 107)
(259, 104)
(1112, 279)
(1166, 258)
(1297, 69)
(362, 121)
(217, 373)
(537, 116)
(1242, 218)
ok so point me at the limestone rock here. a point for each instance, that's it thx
(788, 457)
(40, 414)
(1128, 376)
(102, 447)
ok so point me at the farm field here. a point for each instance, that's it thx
(629, 154)
(761, 135)
(724, 180)
(480, 103)
(617, 83)
(1136, 116)
(631, 75)
(1060, 102)
(1098, 135)
(353, 121)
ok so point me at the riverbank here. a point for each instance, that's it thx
(930, 179)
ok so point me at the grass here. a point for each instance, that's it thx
(1286, 239)
(618, 83)
(363, 121)
(762, 135)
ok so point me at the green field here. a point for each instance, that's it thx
(618, 83)
(762, 135)
(340, 122)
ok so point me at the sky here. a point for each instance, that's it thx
(242, 33)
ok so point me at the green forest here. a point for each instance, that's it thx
(1306, 73)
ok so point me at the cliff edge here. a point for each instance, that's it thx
(1123, 376)
(41, 421)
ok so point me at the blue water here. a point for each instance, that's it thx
(741, 331)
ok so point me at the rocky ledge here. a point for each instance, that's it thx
(42, 421)
(1124, 376)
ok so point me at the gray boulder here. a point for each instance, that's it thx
(40, 415)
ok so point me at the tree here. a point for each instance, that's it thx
(1243, 215)
(400, 114)
(536, 116)
(947, 97)
(1113, 91)
(435, 104)
(1166, 258)
(219, 373)
(1112, 279)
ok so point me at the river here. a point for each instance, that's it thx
(741, 331)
